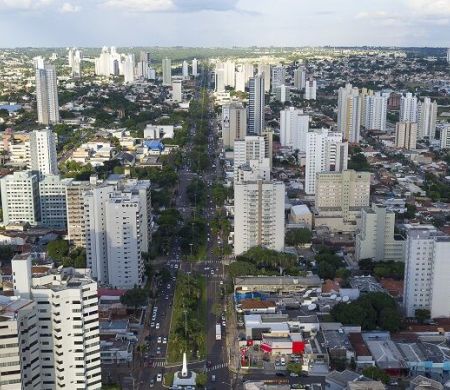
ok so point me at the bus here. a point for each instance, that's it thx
(218, 332)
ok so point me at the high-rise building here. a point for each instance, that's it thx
(259, 219)
(43, 152)
(52, 200)
(300, 78)
(185, 69)
(405, 135)
(427, 271)
(128, 69)
(74, 57)
(19, 343)
(278, 77)
(229, 68)
(408, 108)
(325, 152)
(219, 78)
(234, 123)
(310, 89)
(376, 238)
(195, 67)
(445, 137)
(342, 194)
(117, 225)
(20, 197)
(264, 69)
(256, 103)
(294, 126)
(167, 71)
(427, 116)
(349, 113)
(448, 56)
(283, 93)
(67, 325)
(252, 150)
(240, 81)
(47, 95)
(376, 111)
(177, 91)
(38, 62)
(76, 232)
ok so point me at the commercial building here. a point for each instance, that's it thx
(275, 284)
(256, 103)
(376, 238)
(167, 71)
(234, 123)
(67, 322)
(408, 108)
(340, 197)
(376, 111)
(43, 152)
(294, 126)
(177, 92)
(406, 135)
(427, 116)
(47, 95)
(20, 197)
(52, 200)
(259, 217)
(325, 151)
(427, 271)
(310, 89)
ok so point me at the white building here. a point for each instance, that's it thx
(234, 123)
(195, 67)
(325, 152)
(427, 271)
(427, 116)
(252, 150)
(283, 93)
(349, 113)
(108, 63)
(408, 108)
(264, 69)
(294, 126)
(128, 69)
(240, 81)
(47, 95)
(448, 56)
(20, 197)
(177, 91)
(376, 111)
(67, 323)
(185, 70)
(52, 200)
(43, 152)
(166, 71)
(158, 131)
(406, 135)
(445, 137)
(259, 219)
(300, 78)
(278, 77)
(376, 237)
(75, 57)
(256, 103)
(219, 84)
(20, 366)
(310, 89)
(229, 68)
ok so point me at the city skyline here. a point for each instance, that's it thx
(56, 23)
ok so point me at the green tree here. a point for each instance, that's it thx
(6, 252)
(376, 373)
(135, 298)
(298, 236)
(201, 379)
(296, 368)
(422, 315)
(58, 249)
(326, 270)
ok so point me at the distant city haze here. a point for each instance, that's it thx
(53, 23)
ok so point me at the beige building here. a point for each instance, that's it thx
(75, 212)
(405, 135)
(234, 123)
(339, 198)
(301, 215)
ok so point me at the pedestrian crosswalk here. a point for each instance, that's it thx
(217, 367)
(160, 363)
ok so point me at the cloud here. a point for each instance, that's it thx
(205, 5)
(23, 4)
(69, 8)
(437, 8)
(171, 5)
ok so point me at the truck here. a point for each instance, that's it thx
(218, 332)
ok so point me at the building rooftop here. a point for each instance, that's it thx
(384, 351)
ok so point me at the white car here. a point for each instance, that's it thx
(159, 340)
(159, 377)
(152, 325)
(157, 325)
(164, 340)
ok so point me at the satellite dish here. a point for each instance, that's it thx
(345, 299)
(334, 296)
(312, 307)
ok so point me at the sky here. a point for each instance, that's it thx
(226, 23)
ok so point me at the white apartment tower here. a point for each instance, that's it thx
(300, 78)
(259, 219)
(427, 116)
(310, 89)
(406, 135)
(252, 150)
(195, 67)
(408, 108)
(376, 111)
(376, 237)
(427, 271)
(278, 77)
(128, 69)
(52, 199)
(177, 91)
(185, 69)
(67, 321)
(219, 80)
(229, 68)
(325, 152)
(294, 126)
(264, 69)
(256, 103)
(349, 113)
(167, 71)
(20, 197)
(445, 137)
(43, 152)
(234, 123)
(47, 95)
